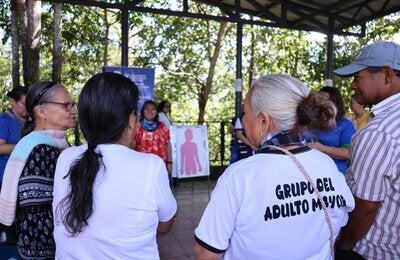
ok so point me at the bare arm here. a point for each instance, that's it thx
(243, 138)
(169, 158)
(6, 148)
(360, 221)
(204, 254)
(341, 153)
(165, 227)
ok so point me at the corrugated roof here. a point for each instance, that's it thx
(325, 16)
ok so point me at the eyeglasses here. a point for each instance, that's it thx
(67, 105)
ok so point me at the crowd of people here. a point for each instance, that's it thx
(311, 172)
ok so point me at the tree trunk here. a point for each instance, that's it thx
(206, 88)
(57, 39)
(23, 22)
(31, 38)
(15, 44)
(107, 25)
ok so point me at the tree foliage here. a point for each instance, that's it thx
(191, 71)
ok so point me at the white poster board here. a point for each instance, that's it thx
(189, 151)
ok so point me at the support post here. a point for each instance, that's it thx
(125, 37)
(329, 49)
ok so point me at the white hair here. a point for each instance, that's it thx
(278, 95)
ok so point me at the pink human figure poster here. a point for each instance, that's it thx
(189, 151)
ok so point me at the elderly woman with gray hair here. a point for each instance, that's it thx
(287, 201)
(27, 191)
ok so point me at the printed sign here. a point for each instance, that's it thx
(190, 151)
(143, 78)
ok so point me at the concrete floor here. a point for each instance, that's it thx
(192, 198)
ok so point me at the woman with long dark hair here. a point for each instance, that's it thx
(109, 200)
(164, 113)
(153, 136)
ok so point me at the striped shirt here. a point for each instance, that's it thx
(374, 176)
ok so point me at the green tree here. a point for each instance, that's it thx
(5, 79)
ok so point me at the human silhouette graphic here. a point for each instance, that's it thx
(190, 163)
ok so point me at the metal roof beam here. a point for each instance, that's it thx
(265, 10)
(296, 9)
(226, 9)
(361, 21)
(90, 3)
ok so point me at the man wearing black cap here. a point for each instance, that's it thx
(373, 229)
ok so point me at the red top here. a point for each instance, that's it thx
(154, 142)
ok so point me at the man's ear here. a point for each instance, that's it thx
(389, 74)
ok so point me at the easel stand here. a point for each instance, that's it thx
(192, 180)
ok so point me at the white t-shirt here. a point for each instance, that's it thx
(264, 208)
(162, 117)
(131, 195)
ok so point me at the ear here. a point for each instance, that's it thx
(389, 74)
(266, 123)
(133, 120)
(40, 112)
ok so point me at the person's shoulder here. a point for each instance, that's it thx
(47, 147)
(345, 121)
(318, 156)
(73, 151)
(126, 153)
(162, 126)
(44, 150)
(162, 115)
(346, 124)
(5, 116)
(146, 157)
(245, 167)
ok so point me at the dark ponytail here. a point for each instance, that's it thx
(105, 105)
(80, 198)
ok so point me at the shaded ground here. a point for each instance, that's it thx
(192, 198)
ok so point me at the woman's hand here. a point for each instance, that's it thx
(316, 145)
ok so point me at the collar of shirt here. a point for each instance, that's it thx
(384, 104)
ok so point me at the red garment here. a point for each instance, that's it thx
(154, 142)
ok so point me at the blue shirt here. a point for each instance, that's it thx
(10, 131)
(339, 136)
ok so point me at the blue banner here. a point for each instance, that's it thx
(143, 78)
